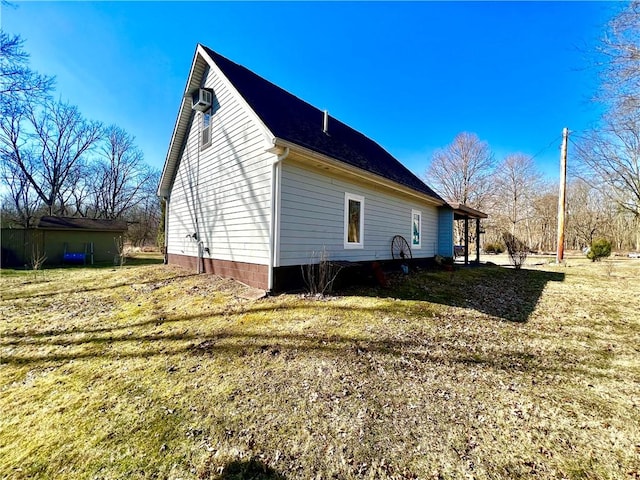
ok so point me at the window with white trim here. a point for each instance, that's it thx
(353, 221)
(416, 228)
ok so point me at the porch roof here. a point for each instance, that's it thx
(462, 211)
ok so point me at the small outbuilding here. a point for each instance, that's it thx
(63, 240)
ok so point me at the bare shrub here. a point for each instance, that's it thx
(516, 249)
(319, 274)
(609, 268)
(120, 256)
(37, 260)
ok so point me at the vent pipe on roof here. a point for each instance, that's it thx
(325, 122)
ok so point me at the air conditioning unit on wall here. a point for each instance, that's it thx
(201, 99)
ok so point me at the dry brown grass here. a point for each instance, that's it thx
(152, 372)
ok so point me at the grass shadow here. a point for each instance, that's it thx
(501, 292)
(121, 344)
(133, 261)
(73, 288)
(144, 260)
(251, 469)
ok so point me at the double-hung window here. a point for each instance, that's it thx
(353, 221)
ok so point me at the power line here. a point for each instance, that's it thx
(547, 147)
(577, 145)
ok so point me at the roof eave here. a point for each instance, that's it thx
(466, 211)
(180, 128)
(357, 172)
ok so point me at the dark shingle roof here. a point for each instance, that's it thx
(69, 223)
(294, 120)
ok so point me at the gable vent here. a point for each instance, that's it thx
(201, 99)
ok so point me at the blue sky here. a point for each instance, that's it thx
(409, 75)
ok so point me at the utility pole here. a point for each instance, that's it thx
(562, 198)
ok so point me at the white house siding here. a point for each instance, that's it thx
(312, 217)
(222, 193)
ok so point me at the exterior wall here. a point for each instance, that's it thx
(445, 229)
(21, 245)
(253, 275)
(312, 217)
(18, 246)
(222, 193)
(104, 247)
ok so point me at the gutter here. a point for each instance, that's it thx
(281, 153)
(352, 172)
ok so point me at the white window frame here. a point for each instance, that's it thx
(413, 214)
(205, 129)
(357, 198)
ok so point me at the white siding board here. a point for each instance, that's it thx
(225, 187)
(312, 217)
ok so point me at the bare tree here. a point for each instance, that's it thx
(20, 204)
(620, 62)
(122, 176)
(612, 157)
(146, 216)
(545, 212)
(516, 183)
(17, 83)
(610, 152)
(46, 143)
(460, 171)
(588, 213)
(16, 78)
(45, 148)
(625, 231)
(80, 193)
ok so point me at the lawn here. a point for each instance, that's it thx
(150, 371)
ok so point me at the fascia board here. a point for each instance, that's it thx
(178, 134)
(351, 171)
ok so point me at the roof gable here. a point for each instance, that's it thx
(288, 118)
(294, 120)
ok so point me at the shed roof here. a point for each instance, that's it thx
(89, 224)
(295, 121)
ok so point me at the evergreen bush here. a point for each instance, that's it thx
(599, 249)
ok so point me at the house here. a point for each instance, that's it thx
(63, 240)
(257, 182)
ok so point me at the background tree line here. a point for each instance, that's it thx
(56, 162)
(603, 192)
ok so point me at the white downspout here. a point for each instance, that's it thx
(166, 230)
(274, 213)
